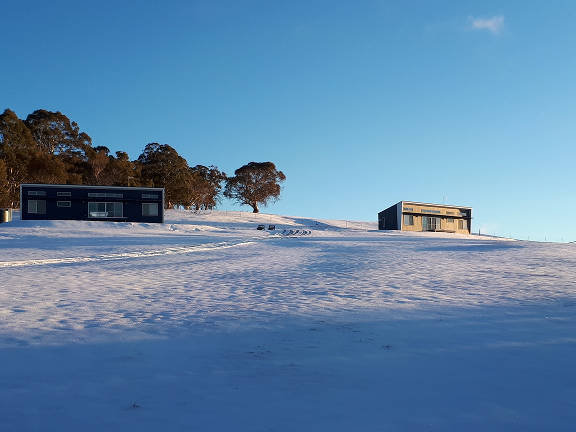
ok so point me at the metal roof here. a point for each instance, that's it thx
(90, 187)
(435, 205)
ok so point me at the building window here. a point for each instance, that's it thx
(431, 211)
(430, 223)
(105, 195)
(105, 209)
(63, 194)
(63, 204)
(463, 224)
(408, 209)
(37, 206)
(408, 219)
(149, 209)
(37, 193)
(149, 196)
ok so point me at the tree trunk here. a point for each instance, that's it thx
(255, 208)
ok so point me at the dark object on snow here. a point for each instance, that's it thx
(271, 227)
(93, 203)
(260, 227)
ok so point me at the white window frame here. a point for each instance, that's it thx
(33, 206)
(36, 193)
(431, 221)
(63, 204)
(105, 195)
(408, 220)
(104, 214)
(146, 214)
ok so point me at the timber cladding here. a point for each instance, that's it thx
(415, 216)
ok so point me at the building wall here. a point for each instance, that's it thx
(388, 219)
(449, 217)
(76, 199)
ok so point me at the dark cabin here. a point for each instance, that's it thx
(98, 203)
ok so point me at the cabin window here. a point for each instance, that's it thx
(37, 206)
(37, 193)
(63, 193)
(408, 219)
(63, 204)
(149, 196)
(105, 209)
(149, 209)
(104, 195)
(463, 224)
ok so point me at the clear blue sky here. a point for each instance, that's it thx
(361, 104)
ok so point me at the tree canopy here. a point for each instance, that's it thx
(48, 147)
(55, 133)
(162, 166)
(17, 147)
(205, 186)
(255, 183)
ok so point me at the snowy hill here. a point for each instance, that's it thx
(205, 323)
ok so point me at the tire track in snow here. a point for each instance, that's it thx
(127, 255)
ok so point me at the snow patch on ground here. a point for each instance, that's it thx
(206, 323)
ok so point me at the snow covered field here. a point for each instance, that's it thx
(206, 324)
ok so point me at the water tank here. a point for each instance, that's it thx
(5, 215)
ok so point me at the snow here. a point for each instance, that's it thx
(205, 323)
